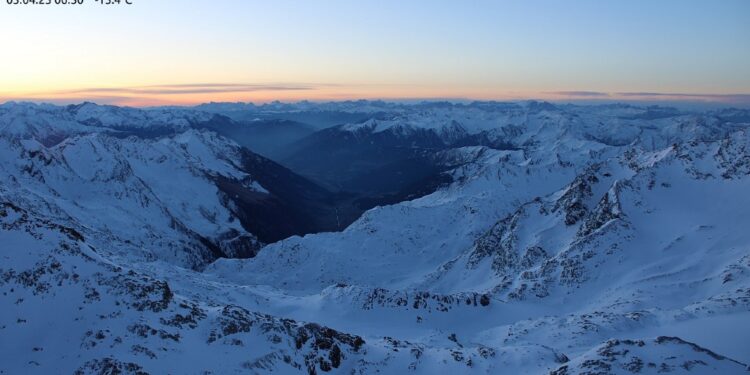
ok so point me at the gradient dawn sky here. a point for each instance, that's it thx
(190, 51)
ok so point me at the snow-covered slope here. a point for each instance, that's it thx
(117, 188)
(50, 124)
(399, 139)
(520, 125)
(154, 180)
(606, 240)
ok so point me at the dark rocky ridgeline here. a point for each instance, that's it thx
(413, 300)
(320, 348)
(110, 366)
(500, 243)
(606, 211)
(662, 355)
(573, 202)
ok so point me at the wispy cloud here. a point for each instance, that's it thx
(731, 99)
(186, 89)
(168, 94)
(713, 97)
(589, 94)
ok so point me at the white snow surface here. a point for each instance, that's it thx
(611, 241)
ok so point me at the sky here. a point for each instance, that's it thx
(157, 52)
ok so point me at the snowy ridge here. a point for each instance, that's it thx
(115, 187)
(664, 354)
(80, 172)
(50, 124)
(533, 123)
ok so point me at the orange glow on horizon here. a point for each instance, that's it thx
(131, 97)
(193, 94)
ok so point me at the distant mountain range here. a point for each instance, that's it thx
(372, 237)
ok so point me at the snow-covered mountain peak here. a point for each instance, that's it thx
(50, 124)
